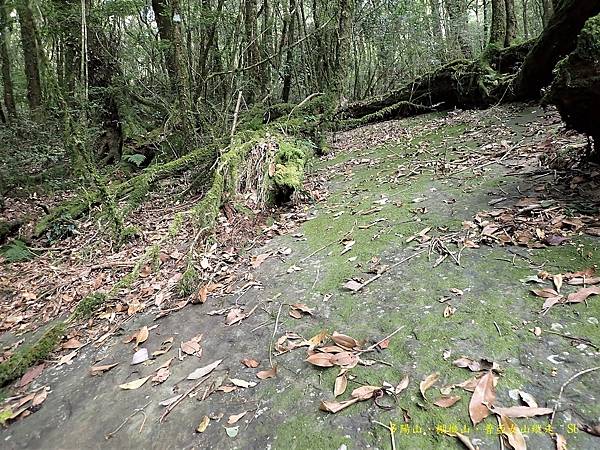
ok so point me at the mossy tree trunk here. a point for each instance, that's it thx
(29, 42)
(557, 40)
(576, 88)
(9, 96)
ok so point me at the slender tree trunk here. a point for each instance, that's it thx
(525, 19)
(289, 58)
(547, 11)
(511, 23)
(342, 47)
(252, 50)
(30, 53)
(436, 23)
(9, 97)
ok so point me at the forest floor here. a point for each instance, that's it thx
(424, 246)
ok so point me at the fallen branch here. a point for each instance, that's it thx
(562, 388)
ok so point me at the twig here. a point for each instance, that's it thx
(137, 410)
(497, 328)
(274, 333)
(376, 277)
(389, 336)
(562, 388)
(180, 399)
(319, 249)
(391, 430)
(303, 102)
(573, 338)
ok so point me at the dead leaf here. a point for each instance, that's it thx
(320, 359)
(464, 439)
(483, 396)
(190, 347)
(265, 374)
(236, 417)
(428, 382)
(334, 407)
(512, 433)
(142, 335)
(528, 399)
(402, 385)
(161, 375)
(170, 401)
(257, 260)
(561, 442)
(201, 296)
(317, 339)
(242, 383)
(96, 370)
(345, 359)
(353, 285)
(581, 295)
(446, 402)
(72, 344)
(251, 363)
(475, 366)
(203, 371)
(203, 424)
(545, 293)
(140, 356)
(31, 375)
(558, 282)
(135, 384)
(522, 411)
(365, 392)
(234, 316)
(344, 341)
(39, 398)
(341, 383)
(67, 359)
(449, 311)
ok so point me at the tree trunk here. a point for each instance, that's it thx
(287, 69)
(457, 27)
(547, 11)
(30, 55)
(436, 23)
(252, 50)
(558, 39)
(525, 20)
(342, 47)
(9, 96)
(576, 88)
(498, 27)
(511, 23)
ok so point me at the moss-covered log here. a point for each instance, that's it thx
(576, 87)
(8, 229)
(558, 39)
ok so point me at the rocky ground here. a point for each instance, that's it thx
(406, 289)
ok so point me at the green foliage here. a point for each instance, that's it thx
(289, 165)
(16, 251)
(588, 45)
(188, 283)
(136, 159)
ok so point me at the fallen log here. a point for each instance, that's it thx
(576, 88)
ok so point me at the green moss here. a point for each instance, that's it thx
(189, 281)
(16, 251)
(588, 43)
(25, 357)
(88, 306)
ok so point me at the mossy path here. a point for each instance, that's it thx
(382, 189)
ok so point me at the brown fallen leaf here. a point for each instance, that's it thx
(344, 341)
(512, 433)
(250, 363)
(234, 316)
(483, 396)
(203, 425)
(201, 296)
(344, 359)
(545, 293)
(449, 311)
(97, 370)
(72, 344)
(353, 285)
(383, 344)
(475, 366)
(203, 371)
(365, 392)
(402, 385)
(135, 384)
(334, 407)
(522, 411)
(265, 374)
(427, 383)
(320, 359)
(31, 375)
(236, 417)
(67, 359)
(341, 383)
(161, 375)
(446, 402)
(140, 356)
(257, 260)
(190, 347)
(561, 442)
(39, 398)
(303, 308)
(557, 280)
(582, 294)
(464, 439)
(142, 335)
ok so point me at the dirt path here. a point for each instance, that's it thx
(387, 183)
